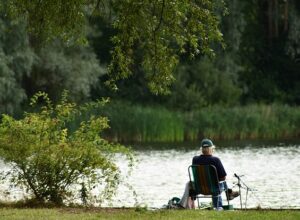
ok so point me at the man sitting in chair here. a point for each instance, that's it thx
(206, 158)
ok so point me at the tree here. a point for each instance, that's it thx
(204, 83)
(16, 58)
(53, 163)
(160, 29)
(58, 67)
(268, 52)
(52, 67)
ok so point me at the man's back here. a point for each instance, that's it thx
(211, 160)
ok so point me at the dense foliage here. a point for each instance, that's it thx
(25, 70)
(54, 164)
(151, 44)
(159, 30)
(268, 51)
(16, 59)
(256, 66)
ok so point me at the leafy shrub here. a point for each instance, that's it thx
(54, 164)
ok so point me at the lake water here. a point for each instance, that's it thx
(270, 169)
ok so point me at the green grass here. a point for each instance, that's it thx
(83, 214)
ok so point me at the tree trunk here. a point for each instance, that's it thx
(275, 18)
(286, 15)
(270, 21)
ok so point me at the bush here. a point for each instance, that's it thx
(54, 164)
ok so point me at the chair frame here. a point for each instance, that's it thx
(208, 183)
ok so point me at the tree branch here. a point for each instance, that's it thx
(161, 16)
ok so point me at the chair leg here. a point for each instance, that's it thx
(227, 196)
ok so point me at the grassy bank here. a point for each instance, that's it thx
(83, 214)
(156, 124)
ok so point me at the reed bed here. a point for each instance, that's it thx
(142, 124)
(135, 123)
(249, 122)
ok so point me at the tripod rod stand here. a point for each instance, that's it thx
(240, 182)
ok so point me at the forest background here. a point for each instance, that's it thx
(249, 89)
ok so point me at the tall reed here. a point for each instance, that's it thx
(135, 123)
(143, 124)
(249, 122)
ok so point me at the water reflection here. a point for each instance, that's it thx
(270, 169)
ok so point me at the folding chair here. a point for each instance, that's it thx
(204, 181)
